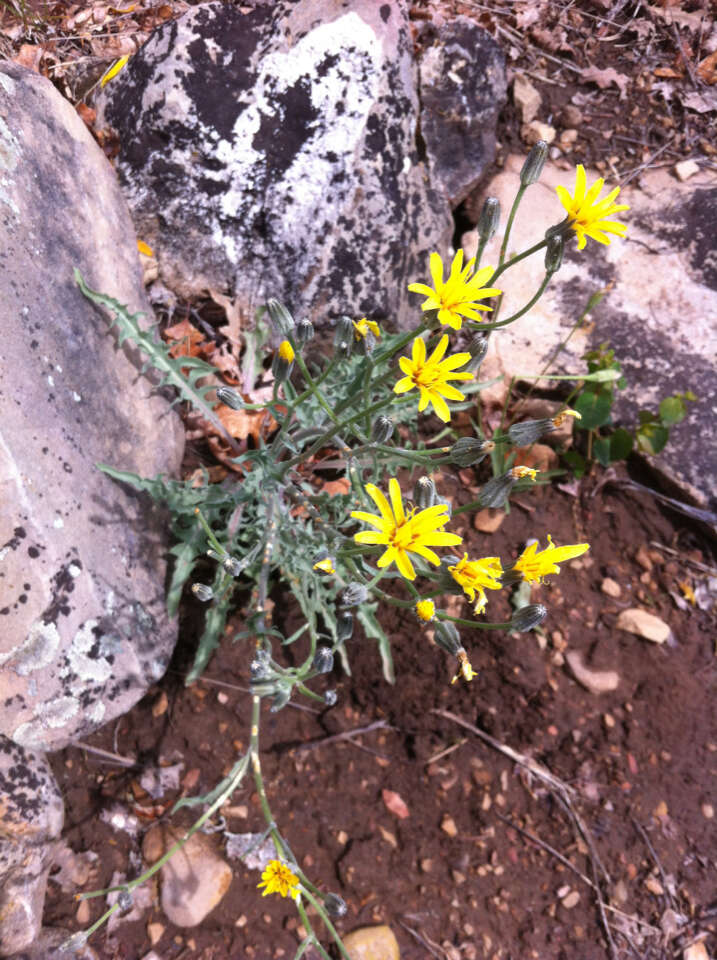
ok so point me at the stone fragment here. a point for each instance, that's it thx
(372, 943)
(686, 169)
(448, 825)
(534, 131)
(270, 150)
(571, 116)
(611, 588)
(696, 951)
(526, 98)
(571, 901)
(708, 811)
(32, 816)
(84, 623)
(654, 886)
(462, 91)
(193, 880)
(568, 138)
(488, 520)
(49, 945)
(644, 624)
(596, 681)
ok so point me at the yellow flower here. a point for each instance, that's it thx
(403, 533)
(519, 472)
(365, 326)
(286, 351)
(425, 610)
(558, 418)
(431, 376)
(326, 565)
(114, 70)
(477, 576)
(456, 298)
(588, 214)
(465, 669)
(535, 565)
(279, 878)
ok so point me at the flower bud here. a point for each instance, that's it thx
(496, 491)
(304, 332)
(324, 562)
(334, 905)
(230, 398)
(447, 636)
(534, 163)
(528, 431)
(323, 660)
(424, 493)
(528, 617)
(478, 347)
(382, 429)
(554, 254)
(353, 595)
(344, 336)
(489, 219)
(283, 361)
(280, 317)
(260, 666)
(232, 566)
(468, 451)
(330, 698)
(426, 610)
(202, 592)
(344, 626)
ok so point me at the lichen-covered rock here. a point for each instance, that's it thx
(31, 815)
(271, 151)
(83, 627)
(463, 89)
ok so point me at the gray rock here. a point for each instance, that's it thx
(463, 89)
(55, 943)
(271, 151)
(32, 817)
(83, 627)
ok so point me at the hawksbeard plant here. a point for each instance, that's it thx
(386, 540)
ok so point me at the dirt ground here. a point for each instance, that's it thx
(490, 863)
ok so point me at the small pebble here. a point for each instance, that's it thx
(654, 886)
(686, 169)
(708, 811)
(372, 943)
(611, 588)
(448, 825)
(572, 900)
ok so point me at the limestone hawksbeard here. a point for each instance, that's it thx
(431, 375)
(588, 214)
(279, 878)
(403, 533)
(477, 576)
(535, 564)
(364, 327)
(456, 298)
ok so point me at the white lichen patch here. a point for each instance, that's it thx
(58, 523)
(82, 668)
(39, 648)
(54, 714)
(74, 570)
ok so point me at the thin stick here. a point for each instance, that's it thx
(643, 833)
(683, 559)
(347, 735)
(420, 939)
(114, 757)
(444, 753)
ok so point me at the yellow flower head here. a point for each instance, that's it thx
(425, 610)
(458, 296)
(558, 418)
(519, 472)
(477, 576)
(465, 668)
(431, 376)
(535, 565)
(403, 533)
(286, 351)
(325, 566)
(588, 214)
(364, 326)
(279, 878)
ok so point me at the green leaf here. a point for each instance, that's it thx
(366, 615)
(652, 437)
(672, 410)
(575, 461)
(601, 449)
(621, 444)
(594, 408)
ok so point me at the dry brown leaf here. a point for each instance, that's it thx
(395, 804)
(528, 15)
(701, 103)
(245, 423)
(603, 78)
(332, 487)
(223, 359)
(29, 55)
(693, 21)
(233, 311)
(186, 339)
(707, 69)
(215, 474)
(552, 40)
(87, 114)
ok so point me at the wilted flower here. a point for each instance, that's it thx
(364, 327)
(477, 576)
(534, 564)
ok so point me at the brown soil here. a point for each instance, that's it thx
(457, 878)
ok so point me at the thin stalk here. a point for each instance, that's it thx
(476, 624)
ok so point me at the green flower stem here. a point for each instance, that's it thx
(475, 624)
(319, 907)
(531, 303)
(367, 393)
(479, 252)
(379, 356)
(315, 390)
(311, 938)
(510, 263)
(330, 434)
(210, 534)
(509, 227)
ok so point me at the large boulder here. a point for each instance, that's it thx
(83, 625)
(271, 150)
(658, 313)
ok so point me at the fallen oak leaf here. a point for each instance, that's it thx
(603, 78)
(242, 424)
(186, 339)
(707, 69)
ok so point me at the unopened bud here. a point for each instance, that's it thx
(424, 493)
(202, 592)
(529, 431)
(283, 361)
(304, 332)
(344, 336)
(382, 430)
(280, 317)
(260, 666)
(534, 163)
(478, 347)
(353, 595)
(447, 636)
(496, 491)
(323, 660)
(230, 398)
(489, 219)
(468, 451)
(554, 254)
(232, 566)
(528, 617)
(330, 698)
(344, 626)
(334, 905)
